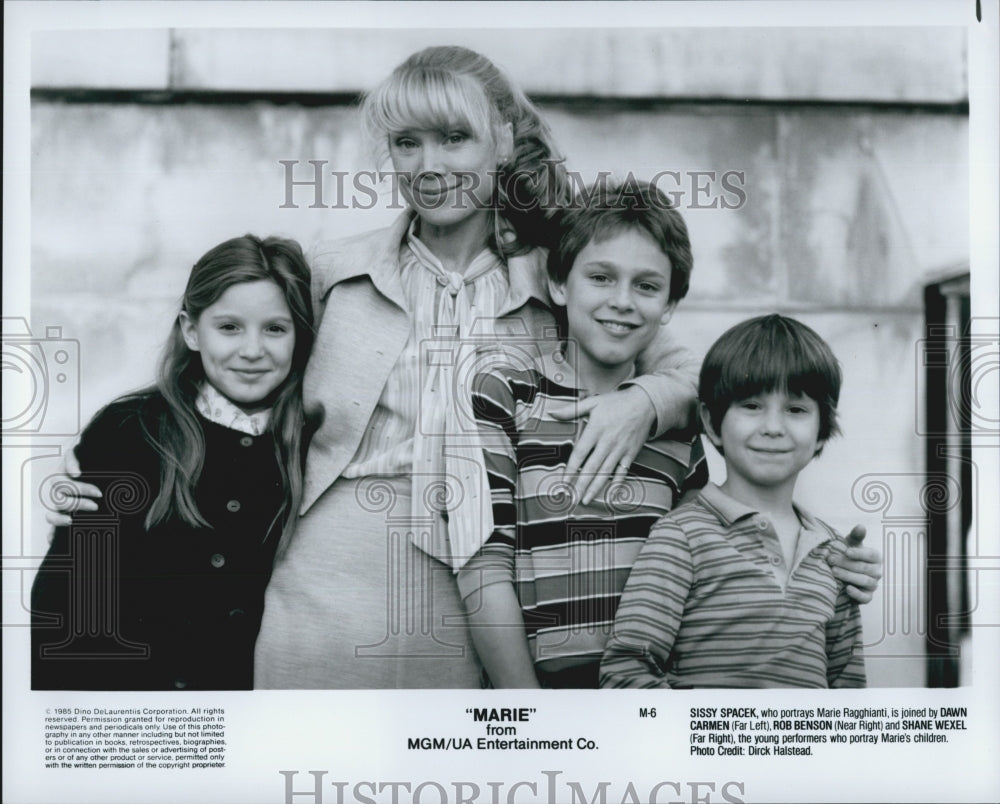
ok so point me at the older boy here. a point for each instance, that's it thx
(733, 589)
(542, 592)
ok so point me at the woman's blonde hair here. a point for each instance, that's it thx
(439, 88)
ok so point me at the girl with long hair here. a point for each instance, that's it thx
(162, 587)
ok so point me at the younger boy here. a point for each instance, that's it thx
(733, 588)
(542, 592)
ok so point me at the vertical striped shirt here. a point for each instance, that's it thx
(568, 562)
(386, 447)
(703, 607)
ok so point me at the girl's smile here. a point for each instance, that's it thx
(246, 340)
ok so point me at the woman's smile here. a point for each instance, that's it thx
(251, 374)
(447, 176)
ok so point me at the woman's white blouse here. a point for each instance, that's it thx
(387, 446)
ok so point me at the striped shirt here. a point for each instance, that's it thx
(568, 562)
(703, 607)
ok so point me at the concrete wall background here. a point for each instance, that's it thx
(149, 147)
(888, 64)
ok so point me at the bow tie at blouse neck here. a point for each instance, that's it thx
(444, 449)
(483, 263)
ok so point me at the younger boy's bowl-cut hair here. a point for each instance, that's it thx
(771, 353)
(608, 210)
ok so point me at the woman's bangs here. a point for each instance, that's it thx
(432, 101)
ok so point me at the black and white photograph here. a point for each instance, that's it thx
(501, 402)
